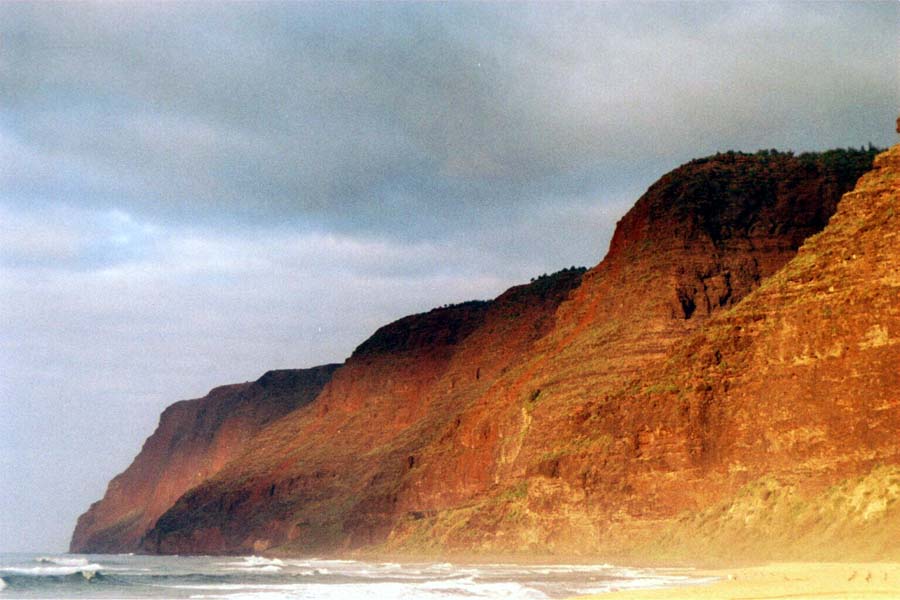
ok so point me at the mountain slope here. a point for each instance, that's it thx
(566, 458)
(769, 433)
(801, 388)
(484, 440)
(326, 476)
(542, 420)
(195, 439)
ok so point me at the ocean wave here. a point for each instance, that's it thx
(254, 564)
(63, 561)
(2, 584)
(25, 579)
(549, 569)
(647, 582)
(262, 561)
(261, 578)
(234, 587)
(261, 569)
(382, 591)
(88, 571)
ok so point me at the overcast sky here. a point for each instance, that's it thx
(191, 194)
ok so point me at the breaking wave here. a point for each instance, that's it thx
(22, 579)
(63, 561)
(88, 571)
(258, 578)
(255, 564)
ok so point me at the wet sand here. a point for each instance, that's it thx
(794, 581)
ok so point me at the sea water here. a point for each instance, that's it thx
(258, 578)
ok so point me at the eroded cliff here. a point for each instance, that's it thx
(580, 413)
(579, 463)
(769, 432)
(327, 476)
(194, 439)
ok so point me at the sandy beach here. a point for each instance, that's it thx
(797, 581)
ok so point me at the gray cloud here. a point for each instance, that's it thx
(318, 113)
(193, 193)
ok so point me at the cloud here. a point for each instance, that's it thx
(381, 117)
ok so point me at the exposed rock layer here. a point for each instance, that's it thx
(195, 439)
(328, 476)
(768, 433)
(570, 415)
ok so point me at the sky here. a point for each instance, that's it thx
(194, 193)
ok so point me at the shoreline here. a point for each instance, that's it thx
(856, 580)
(794, 580)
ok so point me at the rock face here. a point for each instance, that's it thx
(328, 476)
(581, 412)
(573, 459)
(768, 432)
(797, 396)
(194, 440)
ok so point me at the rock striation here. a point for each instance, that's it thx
(194, 440)
(588, 412)
(766, 432)
(327, 477)
(796, 392)
(578, 461)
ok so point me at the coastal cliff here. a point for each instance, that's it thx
(580, 412)
(328, 476)
(194, 440)
(592, 448)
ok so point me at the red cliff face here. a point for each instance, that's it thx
(574, 414)
(769, 432)
(565, 457)
(194, 440)
(792, 399)
(327, 476)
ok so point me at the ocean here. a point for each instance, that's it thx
(258, 578)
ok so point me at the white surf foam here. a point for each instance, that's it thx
(382, 591)
(254, 562)
(469, 588)
(262, 569)
(229, 587)
(647, 582)
(63, 561)
(88, 570)
(262, 560)
(2, 584)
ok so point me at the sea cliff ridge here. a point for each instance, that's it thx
(705, 388)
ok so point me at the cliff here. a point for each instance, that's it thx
(799, 392)
(569, 415)
(194, 439)
(327, 476)
(570, 460)
(769, 432)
